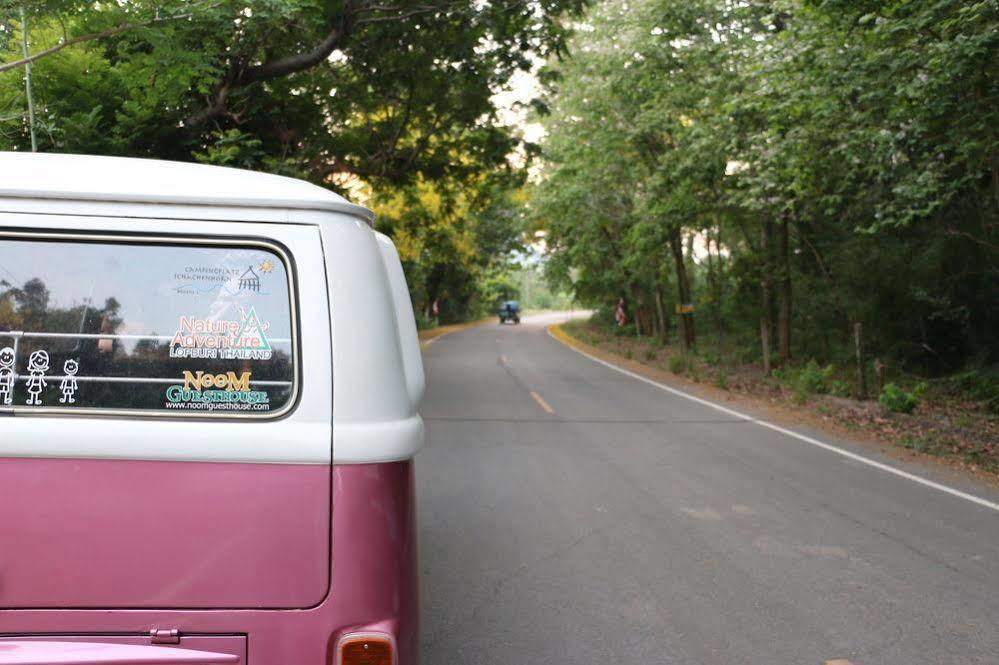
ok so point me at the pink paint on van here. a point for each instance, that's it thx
(373, 570)
(116, 533)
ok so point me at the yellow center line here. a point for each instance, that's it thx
(542, 403)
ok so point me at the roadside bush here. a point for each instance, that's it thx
(840, 388)
(627, 330)
(721, 380)
(898, 400)
(814, 379)
(423, 323)
(604, 317)
(808, 380)
(679, 363)
(981, 385)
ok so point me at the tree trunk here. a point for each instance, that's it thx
(784, 313)
(711, 280)
(858, 341)
(720, 290)
(641, 319)
(661, 312)
(654, 322)
(645, 314)
(687, 336)
(766, 295)
(765, 344)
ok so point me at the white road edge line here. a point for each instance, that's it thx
(777, 428)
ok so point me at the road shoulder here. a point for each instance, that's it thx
(800, 423)
(431, 335)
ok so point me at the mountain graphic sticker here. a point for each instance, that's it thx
(251, 340)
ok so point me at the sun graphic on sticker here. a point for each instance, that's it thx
(266, 267)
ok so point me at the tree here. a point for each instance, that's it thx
(391, 98)
(846, 152)
(379, 91)
(456, 241)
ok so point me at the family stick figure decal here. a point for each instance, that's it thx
(6, 375)
(38, 365)
(68, 384)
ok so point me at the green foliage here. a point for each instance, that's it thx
(384, 92)
(536, 292)
(840, 388)
(627, 330)
(604, 318)
(680, 363)
(809, 379)
(898, 400)
(423, 322)
(981, 385)
(868, 132)
(456, 241)
(720, 379)
(395, 100)
(814, 379)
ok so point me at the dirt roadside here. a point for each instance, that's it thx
(863, 423)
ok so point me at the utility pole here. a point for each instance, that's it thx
(27, 80)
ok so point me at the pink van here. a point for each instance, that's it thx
(209, 382)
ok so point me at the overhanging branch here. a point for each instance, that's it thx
(298, 62)
(110, 32)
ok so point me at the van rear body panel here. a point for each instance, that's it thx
(118, 533)
(373, 585)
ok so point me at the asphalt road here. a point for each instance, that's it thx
(572, 514)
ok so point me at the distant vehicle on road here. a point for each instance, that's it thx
(211, 446)
(509, 311)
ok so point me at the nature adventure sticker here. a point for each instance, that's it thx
(220, 338)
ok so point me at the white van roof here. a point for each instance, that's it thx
(122, 179)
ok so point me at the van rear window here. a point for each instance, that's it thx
(122, 324)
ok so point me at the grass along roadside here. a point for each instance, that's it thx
(952, 429)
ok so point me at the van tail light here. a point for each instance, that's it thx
(366, 649)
